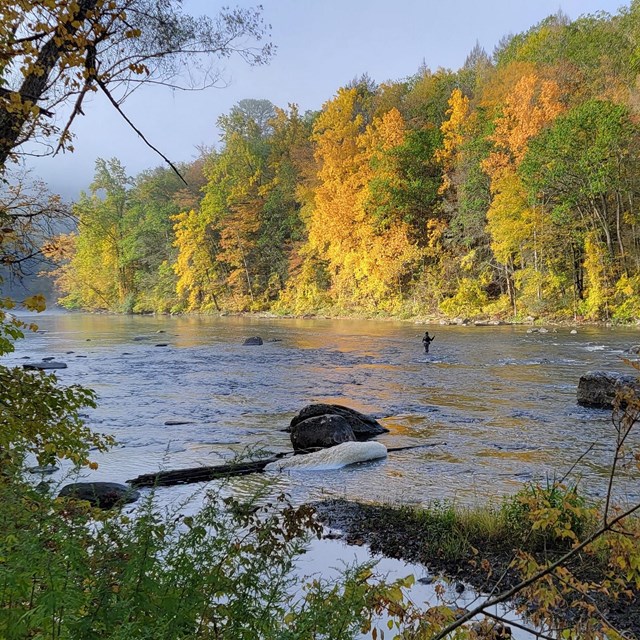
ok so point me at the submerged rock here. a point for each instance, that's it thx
(42, 366)
(320, 432)
(599, 388)
(100, 494)
(363, 426)
(44, 470)
(255, 340)
(336, 457)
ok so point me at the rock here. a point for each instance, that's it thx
(43, 487)
(140, 338)
(175, 423)
(100, 494)
(42, 366)
(161, 331)
(255, 340)
(543, 330)
(635, 350)
(573, 332)
(341, 455)
(461, 321)
(320, 432)
(162, 344)
(44, 470)
(363, 426)
(48, 359)
(599, 388)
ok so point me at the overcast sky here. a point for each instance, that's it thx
(321, 45)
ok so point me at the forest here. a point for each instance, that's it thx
(508, 189)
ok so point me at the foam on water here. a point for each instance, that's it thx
(336, 457)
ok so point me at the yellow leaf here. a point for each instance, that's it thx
(35, 303)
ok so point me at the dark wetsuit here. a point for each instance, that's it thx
(426, 341)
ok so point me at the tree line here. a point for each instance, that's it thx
(508, 188)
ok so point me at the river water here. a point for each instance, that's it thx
(498, 403)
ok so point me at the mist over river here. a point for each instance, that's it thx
(500, 401)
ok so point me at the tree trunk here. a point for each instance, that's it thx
(35, 83)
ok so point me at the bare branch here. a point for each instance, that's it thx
(510, 593)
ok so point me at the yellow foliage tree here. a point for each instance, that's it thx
(365, 262)
(530, 106)
(195, 265)
(452, 134)
(511, 223)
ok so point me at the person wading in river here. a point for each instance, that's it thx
(426, 341)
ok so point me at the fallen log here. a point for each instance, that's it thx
(201, 474)
(229, 470)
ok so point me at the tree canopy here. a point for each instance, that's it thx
(54, 53)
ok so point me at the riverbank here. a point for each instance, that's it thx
(439, 319)
(475, 548)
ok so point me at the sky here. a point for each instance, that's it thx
(321, 46)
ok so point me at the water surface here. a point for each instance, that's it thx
(498, 402)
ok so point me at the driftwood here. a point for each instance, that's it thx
(232, 469)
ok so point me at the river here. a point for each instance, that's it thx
(498, 403)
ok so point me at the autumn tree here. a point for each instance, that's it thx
(55, 53)
(30, 218)
(200, 279)
(333, 226)
(531, 105)
(101, 273)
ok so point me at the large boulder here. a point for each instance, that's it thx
(599, 388)
(363, 426)
(254, 340)
(100, 494)
(320, 432)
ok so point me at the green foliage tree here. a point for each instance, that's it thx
(584, 170)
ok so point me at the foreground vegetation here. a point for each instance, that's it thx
(497, 548)
(507, 188)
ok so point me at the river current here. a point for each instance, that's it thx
(498, 404)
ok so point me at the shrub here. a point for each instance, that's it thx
(549, 516)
